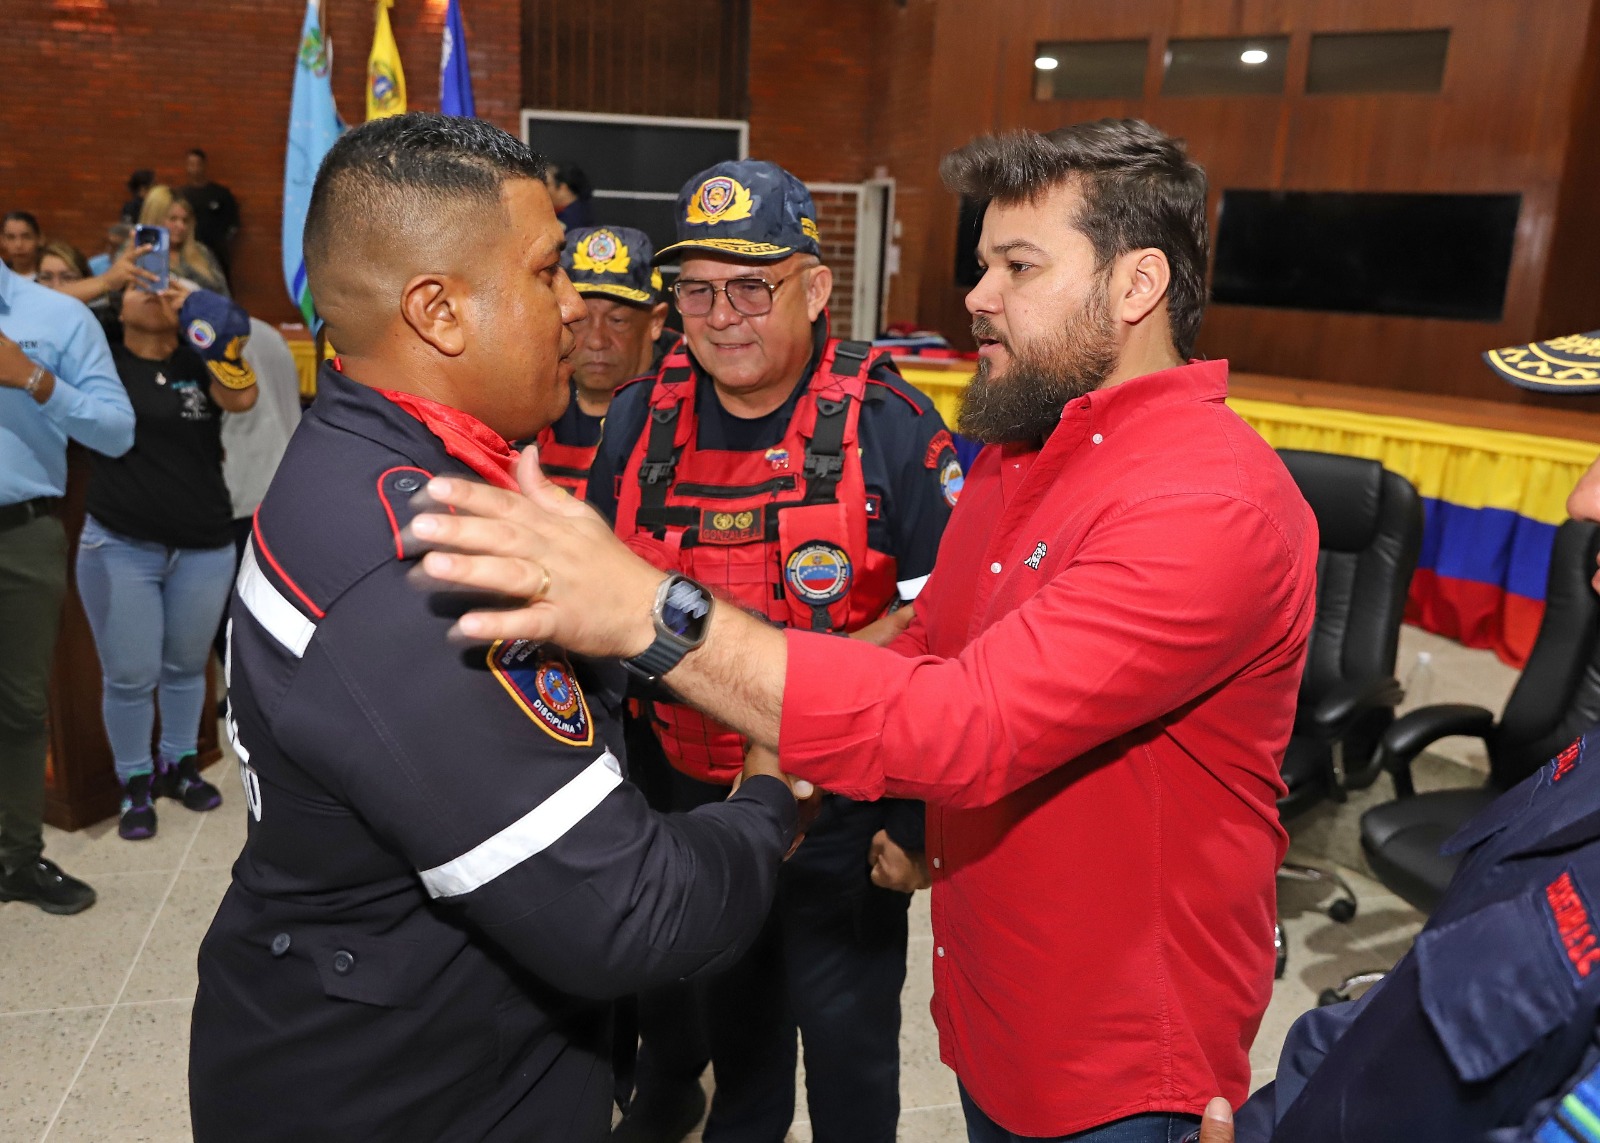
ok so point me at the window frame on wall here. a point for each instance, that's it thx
(1377, 34)
(1051, 49)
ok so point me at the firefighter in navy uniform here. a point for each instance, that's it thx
(446, 878)
(799, 476)
(623, 336)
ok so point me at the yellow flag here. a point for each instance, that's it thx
(386, 79)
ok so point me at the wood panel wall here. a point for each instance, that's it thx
(1518, 113)
(637, 57)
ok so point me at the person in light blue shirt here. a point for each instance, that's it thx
(57, 383)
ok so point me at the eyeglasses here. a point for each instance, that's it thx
(751, 297)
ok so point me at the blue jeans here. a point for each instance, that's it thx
(1161, 1127)
(153, 611)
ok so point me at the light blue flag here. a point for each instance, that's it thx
(314, 125)
(455, 77)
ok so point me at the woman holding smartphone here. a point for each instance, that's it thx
(190, 257)
(155, 560)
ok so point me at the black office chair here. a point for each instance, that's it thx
(1370, 520)
(1556, 698)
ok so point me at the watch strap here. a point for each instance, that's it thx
(657, 659)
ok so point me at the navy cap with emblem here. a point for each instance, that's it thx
(612, 261)
(218, 329)
(748, 209)
(1568, 364)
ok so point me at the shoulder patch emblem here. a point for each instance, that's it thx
(1567, 761)
(1574, 925)
(540, 680)
(941, 443)
(951, 480)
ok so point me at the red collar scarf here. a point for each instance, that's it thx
(465, 437)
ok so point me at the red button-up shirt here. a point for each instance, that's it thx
(1094, 700)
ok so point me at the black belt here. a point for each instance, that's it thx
(16, 515)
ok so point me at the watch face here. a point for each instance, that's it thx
(685, 609)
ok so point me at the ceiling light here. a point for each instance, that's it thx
(1047, 63)
(1253, 56)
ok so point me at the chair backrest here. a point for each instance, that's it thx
(1557, 696)
(1370, 524)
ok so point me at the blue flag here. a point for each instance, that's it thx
(455, 77)
(313, 126)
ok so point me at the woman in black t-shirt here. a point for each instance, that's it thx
(155, 561)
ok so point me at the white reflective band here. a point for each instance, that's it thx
(911, 588)
(537, 830)
(280, 617)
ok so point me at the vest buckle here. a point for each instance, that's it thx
(823, 466)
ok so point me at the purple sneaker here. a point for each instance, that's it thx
(181, 781)
(138, 819)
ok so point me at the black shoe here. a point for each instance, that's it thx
(181, 781)
(661, 1117)
(138, 820)
(42, 883)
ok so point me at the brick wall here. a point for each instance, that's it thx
(94, 88)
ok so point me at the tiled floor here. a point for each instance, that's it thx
(94, 1009)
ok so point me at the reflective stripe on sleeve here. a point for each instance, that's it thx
(911, 588)
(537, 830)
(282, 620)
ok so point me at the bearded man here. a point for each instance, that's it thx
(1099, 684)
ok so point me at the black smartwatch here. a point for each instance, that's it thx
(682, 615)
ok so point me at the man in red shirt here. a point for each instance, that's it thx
(1100, 681)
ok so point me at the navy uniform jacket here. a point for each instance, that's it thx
(445, 877)
(1491, 1016)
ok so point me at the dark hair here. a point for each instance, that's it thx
(141, 180)
(200, 151)
(408, 173)
(22, 216)
(573, 176)
(1140, 190)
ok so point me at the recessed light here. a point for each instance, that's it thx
(1047, 63)
(1253, 56)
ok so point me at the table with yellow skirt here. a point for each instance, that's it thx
(1492, 497)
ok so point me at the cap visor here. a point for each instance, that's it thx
(738, 247)
(626, 293)
(1549, 367)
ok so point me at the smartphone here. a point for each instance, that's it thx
(158, 261)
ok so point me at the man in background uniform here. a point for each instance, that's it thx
(799, 476)
(623, 336)
(446, 876)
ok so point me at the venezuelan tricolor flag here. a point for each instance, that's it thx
(1491, 502)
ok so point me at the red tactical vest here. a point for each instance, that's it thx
(781, 533)
(566, 465)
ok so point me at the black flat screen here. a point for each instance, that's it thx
(1412, 255)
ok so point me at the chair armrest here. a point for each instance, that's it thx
(1414, 732)
(1337, 710)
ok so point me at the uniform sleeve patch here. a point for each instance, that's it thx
(937, 447)
(539, 679)
(951, 480)
(1574, 925)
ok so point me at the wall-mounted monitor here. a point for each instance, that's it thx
(1410, 255)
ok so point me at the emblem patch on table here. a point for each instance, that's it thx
(951, 480)
(818, 573)
(719, 199)
(746, 527)
(601, 252)
(540, 680)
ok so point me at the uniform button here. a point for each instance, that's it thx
(937, 864)
(995, 567)
(939, 950)
(1097, 438)
(343, 962)
(411, 483)
(280, 944)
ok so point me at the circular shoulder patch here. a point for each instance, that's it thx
(951, 480)
(818, 573)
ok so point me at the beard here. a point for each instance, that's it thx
(1023, 404)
